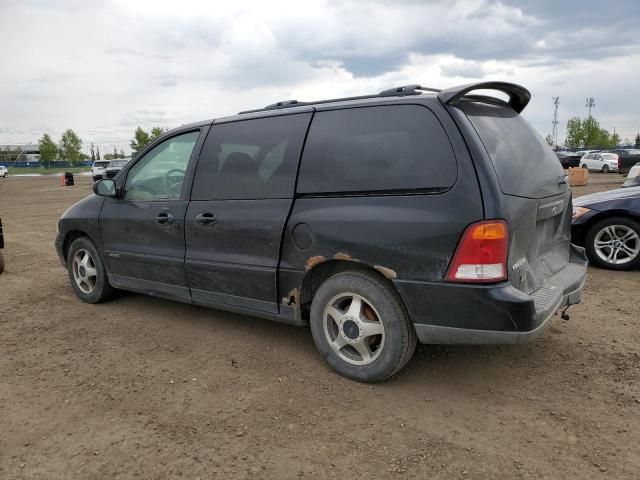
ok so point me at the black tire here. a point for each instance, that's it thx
(591, 236)
(584, 165)
(399, 333)
(605, 169)
(102, 290)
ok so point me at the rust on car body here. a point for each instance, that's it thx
(387, 272)
(313, 261)
(292, 298)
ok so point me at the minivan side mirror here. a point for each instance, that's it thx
(105, 188)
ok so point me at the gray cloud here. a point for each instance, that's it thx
(104, 68)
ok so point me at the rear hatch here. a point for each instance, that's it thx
(536, 200)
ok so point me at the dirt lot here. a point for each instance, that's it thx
(145, 388)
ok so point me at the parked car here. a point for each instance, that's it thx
(600, 162)
(607, 224)
(633, 178)
(412, 213)
(114, 167)
(568, 159)
(4, 172)
(582, 153)
(98, 168)
(628, 157)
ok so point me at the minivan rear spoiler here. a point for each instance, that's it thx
(518, 96)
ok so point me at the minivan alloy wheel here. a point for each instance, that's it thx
(84, 271)
(354, 329)
(617, 244)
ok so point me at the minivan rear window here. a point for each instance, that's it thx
(391, 147)
(525, 165)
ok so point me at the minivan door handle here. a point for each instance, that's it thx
(206, 219)
(164, 218)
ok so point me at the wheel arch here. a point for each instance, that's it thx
(602, 215)
(319, 273)
(70, 237)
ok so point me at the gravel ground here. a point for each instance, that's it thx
(144, 388)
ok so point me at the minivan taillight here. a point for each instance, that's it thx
(481, 255)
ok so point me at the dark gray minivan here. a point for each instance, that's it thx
(377, 220)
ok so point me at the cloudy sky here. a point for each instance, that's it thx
(103, 68)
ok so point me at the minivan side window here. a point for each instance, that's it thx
(159, 174)
(251, 159)
(392, 147)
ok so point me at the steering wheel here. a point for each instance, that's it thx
(171, 184)
(137, 189)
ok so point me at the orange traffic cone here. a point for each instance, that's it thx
(62, 180)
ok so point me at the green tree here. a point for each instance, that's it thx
(593, 134)
(121, 154)
(109, 156)
(93, 153)
(48, 150)
(575, 133)
(70, 145)
(614, 140)
(140, 139)
(637, 145)
(157, 132)
(549, 140)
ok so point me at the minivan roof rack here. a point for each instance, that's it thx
(518, 96)
(392, 92)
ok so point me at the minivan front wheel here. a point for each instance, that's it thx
(360, 327)
(87, 274)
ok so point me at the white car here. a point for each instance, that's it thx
(3, 172)
(582, 153)
(98, 169)
(601, 162)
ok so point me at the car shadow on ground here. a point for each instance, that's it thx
(429, 362)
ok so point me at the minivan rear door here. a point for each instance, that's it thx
(241, 197)
(535, 200)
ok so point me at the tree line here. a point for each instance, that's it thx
(69, 148)
(588, 133)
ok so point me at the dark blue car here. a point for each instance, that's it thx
(607, 224)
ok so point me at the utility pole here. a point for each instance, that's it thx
(554, 132)
(590, 104)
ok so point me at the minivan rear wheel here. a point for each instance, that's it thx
(360, 327)
(605, 169)
(87, 273)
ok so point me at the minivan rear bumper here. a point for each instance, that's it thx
(498, 314)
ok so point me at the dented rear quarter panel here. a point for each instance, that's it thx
(408, 237)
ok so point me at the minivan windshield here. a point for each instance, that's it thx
(524, 164)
